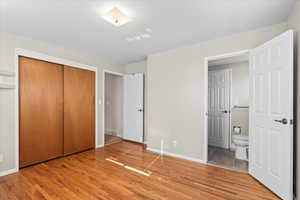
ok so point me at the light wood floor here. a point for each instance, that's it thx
(90, 176)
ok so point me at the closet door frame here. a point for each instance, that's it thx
(43, 57)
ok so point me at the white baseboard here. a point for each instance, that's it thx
(177, 156)
(10, 171)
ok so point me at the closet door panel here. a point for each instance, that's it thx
(79, 110)
(41, 111)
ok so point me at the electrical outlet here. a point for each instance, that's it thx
(1, 157)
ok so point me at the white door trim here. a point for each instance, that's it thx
(44, 57)
(105, 71)
(206, 60)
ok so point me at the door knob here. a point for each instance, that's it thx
(140, 110)
(283, 121)
(225, 111)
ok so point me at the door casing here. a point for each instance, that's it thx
(206, 61)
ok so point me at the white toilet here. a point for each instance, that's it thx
(241, 142)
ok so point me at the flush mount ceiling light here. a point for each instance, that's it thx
(116, 17)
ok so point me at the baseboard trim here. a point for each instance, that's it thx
(10, 171)
(177, 156)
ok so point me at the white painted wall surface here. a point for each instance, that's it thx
(176, 90)
(136, 67)
(8, 43)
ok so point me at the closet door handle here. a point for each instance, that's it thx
(140, 110)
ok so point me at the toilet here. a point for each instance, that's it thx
(241, 142)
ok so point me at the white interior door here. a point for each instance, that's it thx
(134, 107)
(271, 112)
(218, 107)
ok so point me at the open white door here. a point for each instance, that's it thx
(219, 107)
(134, 107)
(271, 115)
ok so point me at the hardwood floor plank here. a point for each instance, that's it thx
(90, 176)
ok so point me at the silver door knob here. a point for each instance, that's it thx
(283, 121)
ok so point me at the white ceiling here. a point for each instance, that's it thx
(78, 24)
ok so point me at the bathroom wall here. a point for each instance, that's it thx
(113, 105)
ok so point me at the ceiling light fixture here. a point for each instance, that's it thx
(116, 17)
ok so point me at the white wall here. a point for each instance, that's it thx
(176, 90)
(8, 43)
(294, 23)
(114, 104)
(137, 67)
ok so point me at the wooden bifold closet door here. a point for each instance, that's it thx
(79, 110)
(41, 111)
(57, 110)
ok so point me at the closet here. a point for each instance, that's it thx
(57, 110)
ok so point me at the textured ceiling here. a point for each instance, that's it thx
(77, 24)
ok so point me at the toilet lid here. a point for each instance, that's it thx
(240, 137)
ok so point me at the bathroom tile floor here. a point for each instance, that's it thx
(225, 158)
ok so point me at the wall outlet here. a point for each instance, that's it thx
(1, 157)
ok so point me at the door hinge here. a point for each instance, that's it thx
(291, 122)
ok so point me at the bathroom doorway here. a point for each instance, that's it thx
(228, 112)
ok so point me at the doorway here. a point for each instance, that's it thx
(271, 113)
(113, 107)
(228, 112)
(123, 107)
